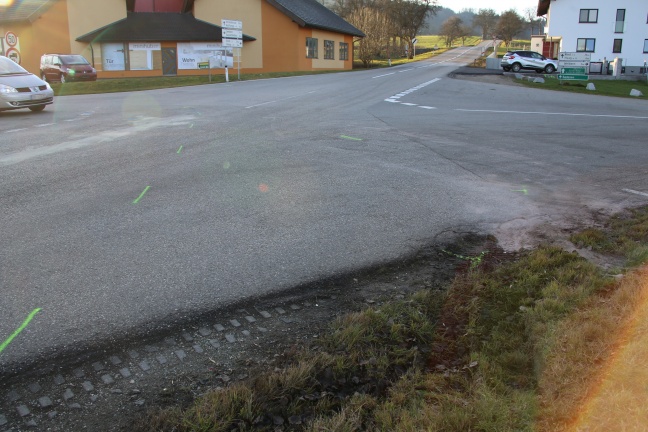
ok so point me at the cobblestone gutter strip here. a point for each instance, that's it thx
(106, 392)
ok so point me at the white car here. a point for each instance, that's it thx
(21, 89)
(518, 60)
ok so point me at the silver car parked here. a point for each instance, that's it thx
(517, 60)
(21, 89)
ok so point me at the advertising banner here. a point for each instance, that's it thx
(197, 55)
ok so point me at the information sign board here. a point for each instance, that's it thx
(233, 43)
(232, 24)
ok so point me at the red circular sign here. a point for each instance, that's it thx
(11, 39)
(13, 54)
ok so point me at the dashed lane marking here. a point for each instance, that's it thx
(632, 191)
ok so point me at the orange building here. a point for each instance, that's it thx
(130, 38)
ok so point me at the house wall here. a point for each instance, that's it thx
(47, 34)
(283, 40)
(85, 16)
(563, 21)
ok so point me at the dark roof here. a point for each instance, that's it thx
(310, 13)
(543, 7)
(157, 27)
(24, 10)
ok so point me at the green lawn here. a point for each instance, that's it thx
(151, 83)
(430, 41)
(620, 88)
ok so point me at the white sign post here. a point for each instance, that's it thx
(232, 36)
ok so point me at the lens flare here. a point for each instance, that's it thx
(6, 3)
(618, 401)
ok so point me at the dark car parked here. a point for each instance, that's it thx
(66, 67)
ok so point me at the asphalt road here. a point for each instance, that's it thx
(123, 212)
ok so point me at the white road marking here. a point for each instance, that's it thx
(15, 130)
(44, 125)
(394, 98)
(636, 192)
(552, 113)
(278, 100)
(427, 107)
(380, 76)
(410, 104)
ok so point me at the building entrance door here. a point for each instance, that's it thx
(169, 61)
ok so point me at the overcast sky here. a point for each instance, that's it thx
(498, 6)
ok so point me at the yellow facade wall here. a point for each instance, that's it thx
(321, 62)
(86, 16)
(281, 41)
(246, 11)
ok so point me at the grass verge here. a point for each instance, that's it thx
(517, 342)
(619, 88)
(151, 83)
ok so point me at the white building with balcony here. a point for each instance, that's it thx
(606, 29)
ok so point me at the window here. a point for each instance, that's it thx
(344, 51)
(620, 21)
(112, 57)
(616, 47)
(646, 45)
(585, 45)
(311, 48)
(329, 50)
(588, 16)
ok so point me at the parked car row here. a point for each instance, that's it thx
(517, 60)
(22, 89)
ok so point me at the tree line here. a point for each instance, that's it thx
(387, 24)
(390, 26)
(505, 27)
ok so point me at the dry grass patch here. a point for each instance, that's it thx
(540, 342)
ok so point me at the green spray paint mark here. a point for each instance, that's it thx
(22, 327)
(474, 261)
(142, 194)
(180, 149)
(350, 138)
(524, 191)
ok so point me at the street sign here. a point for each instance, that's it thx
(574, 56)
(583, 63)
(233, 43)
(573, 71)
(573, 77)
(232, 24)
(414, 41)
(232, 34)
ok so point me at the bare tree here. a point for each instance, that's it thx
(508, 26)
(487, 20)
(533, 21)
(464, 32)
(376, 26)
(407, 17)
(451, 29)
(400, 19)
